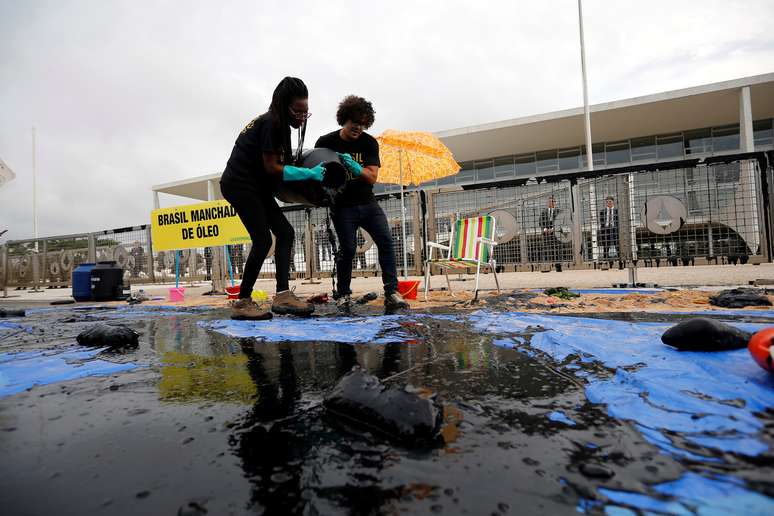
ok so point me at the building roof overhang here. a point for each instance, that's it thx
(661, 113)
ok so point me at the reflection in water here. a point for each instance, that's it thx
(197, 365)
(391, 359)
(296, 460)
(271, 454)
(186, 377)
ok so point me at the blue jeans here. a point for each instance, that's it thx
(370, 217)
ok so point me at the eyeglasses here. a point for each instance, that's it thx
(299, 115)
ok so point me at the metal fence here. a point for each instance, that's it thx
(688, 213)
(684, 213)
(50, 261)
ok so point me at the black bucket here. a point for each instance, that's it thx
(316, 193)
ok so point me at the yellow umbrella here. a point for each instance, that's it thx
(412, 157)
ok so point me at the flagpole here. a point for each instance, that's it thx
(403, 217)
(587, 115)
(34, 191)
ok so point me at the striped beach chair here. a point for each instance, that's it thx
(471, 244)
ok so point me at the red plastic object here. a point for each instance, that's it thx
(233, 292)
(319, 299)
(760, 348)
(408, 289)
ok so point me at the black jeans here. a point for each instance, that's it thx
(261, 216)
(370, 217)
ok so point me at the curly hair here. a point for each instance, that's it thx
(356, 109)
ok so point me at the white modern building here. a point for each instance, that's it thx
(722, 118)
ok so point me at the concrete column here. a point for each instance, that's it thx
(156, 204)
(44, 263)
(4, 269)
(149, 257)
(746, 141)
(210, 190)
(218, 255)
(92, 248)
(748, 193)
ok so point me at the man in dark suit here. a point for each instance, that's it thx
(550, 250)
(608, 229)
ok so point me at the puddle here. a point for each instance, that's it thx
(542, 414)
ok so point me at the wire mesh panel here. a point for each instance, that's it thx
(674, 216)
(402, 240)
(297, 218)
(366, 260)
(534, 221)
(129, 248)
(47, 262)
(547, 218)
(603, 217)
(21, 261)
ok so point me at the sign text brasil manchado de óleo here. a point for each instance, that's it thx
(206, 224)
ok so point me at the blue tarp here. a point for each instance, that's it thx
(708, 398)
(663, 389)
(560, 417)
(694, 494)
(349, 330)
(7, 325)
(22, 370)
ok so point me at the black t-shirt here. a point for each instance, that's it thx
(246, 162)
(365, 150)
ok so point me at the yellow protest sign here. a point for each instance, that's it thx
(206, 224)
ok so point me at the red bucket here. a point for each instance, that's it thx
(408, 288)
(233, 292)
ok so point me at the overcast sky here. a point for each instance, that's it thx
(128, 94)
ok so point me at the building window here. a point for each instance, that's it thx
(569, 159)
(484, 170)
(525, 165)
(644, 149)
(503, 167)
(763, 133)
(725, 138)
(698, 141)
(466, 174)
(546, 161)
(448, 180)
(670, 146)
(598, 149)
(617, 152)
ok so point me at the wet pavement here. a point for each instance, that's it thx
(213, 417)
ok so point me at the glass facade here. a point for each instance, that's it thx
(663, 147)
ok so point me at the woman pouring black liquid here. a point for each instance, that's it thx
(262, 156)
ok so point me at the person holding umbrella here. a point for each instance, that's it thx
(356, 206)
(262, 156)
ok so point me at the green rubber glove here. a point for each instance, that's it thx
(349, 162)
(290, 173)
